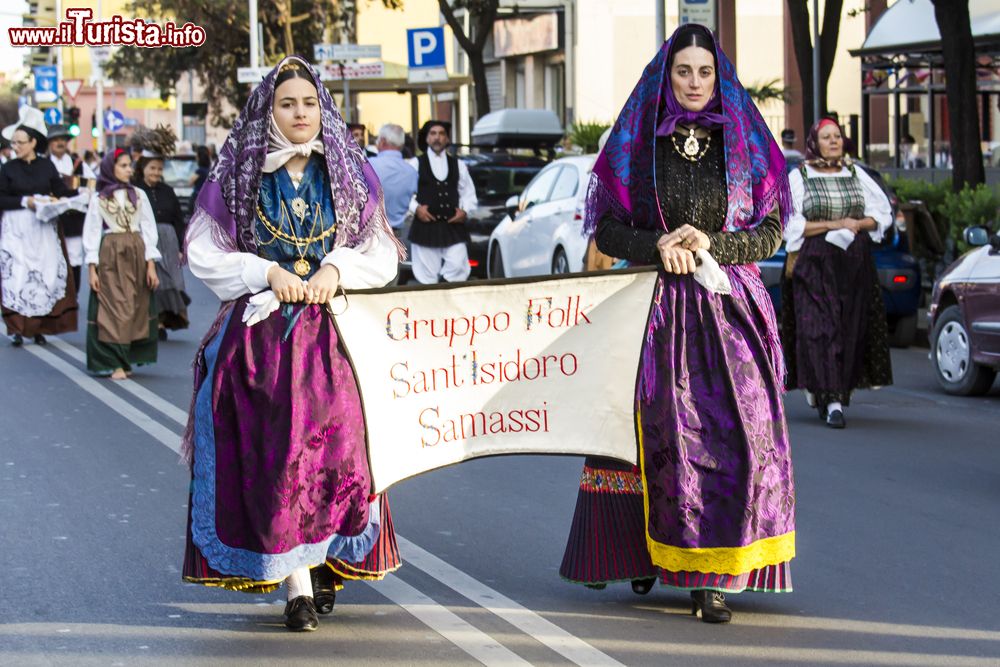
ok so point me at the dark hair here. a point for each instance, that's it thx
(203, 156)
(140, 166)
(293, 71)
(41, 143)
(692, 34)
(87, 155)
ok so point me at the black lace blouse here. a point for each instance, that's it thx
(691, 193)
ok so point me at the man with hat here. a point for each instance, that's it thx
(445, 197)
(70, 222)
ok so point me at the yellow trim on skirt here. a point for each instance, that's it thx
(718, 560)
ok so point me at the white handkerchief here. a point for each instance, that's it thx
(710, 275)
(259, 307)
(49, 208)
(842, 238)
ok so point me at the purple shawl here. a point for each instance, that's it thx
(624, 177)
(623, 182)
(228, 200)
(106, 181)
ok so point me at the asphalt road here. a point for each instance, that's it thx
(898, 544)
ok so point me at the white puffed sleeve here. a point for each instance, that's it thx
(795, 228)
(372, 264)
(92, 225)
(877, 206)
(229, 274)
(147, 227)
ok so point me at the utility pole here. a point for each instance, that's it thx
(816, 72)
(661, 24)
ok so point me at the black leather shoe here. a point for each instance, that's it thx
(161, 335)
(643, 586)
(324, 588)
(17, 340)
(300, 614)
(713, 606)
(40, 340)
(835, 419)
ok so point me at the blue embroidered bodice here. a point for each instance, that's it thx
(304, 213)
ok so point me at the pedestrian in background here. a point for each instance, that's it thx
(398, 178)
(445, 197)
(834, 327)
(792, 154)
(5, 150)
(203, 158)
(360, 134)
(39, 296)
(171, 300)
(70, 222)
(89, 168)
(119, 247)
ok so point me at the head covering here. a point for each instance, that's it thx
(156, 143)
(228, 200)
(58, 132)
(711, 115)
(106, 181)
(623, 179)
(280, 150)
(813, 156)
(425, 130)
(32, 121)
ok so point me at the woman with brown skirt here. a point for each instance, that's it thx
(119, 244)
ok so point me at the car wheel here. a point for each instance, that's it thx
(560, 262)
(951, 355)
(905, 331)
(496, 262)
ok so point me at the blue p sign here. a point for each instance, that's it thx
(426, 47)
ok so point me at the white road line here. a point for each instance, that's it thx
(476, 643)
(154, 428)
(134, 388)
(426, 610)
(569, 646)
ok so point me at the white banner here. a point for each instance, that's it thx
(451, 373)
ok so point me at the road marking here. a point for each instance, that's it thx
(132, 387)
(474, 642)
(569, 646)
(158, 431)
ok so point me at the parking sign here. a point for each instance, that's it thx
(426, 47)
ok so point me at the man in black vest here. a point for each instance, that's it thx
(445, 197)
(70, 222)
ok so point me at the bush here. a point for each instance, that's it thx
(971, 206)
(586, 135)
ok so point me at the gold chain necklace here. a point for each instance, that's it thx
(301, 265)
(690, 151)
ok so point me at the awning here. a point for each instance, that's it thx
(909, 26)
(395, 81)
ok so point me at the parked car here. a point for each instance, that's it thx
(542, 233)
(178, 171)
(964, 318)
(898, 273)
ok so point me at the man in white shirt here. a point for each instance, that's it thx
(445, 198)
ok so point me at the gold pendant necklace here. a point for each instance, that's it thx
(691, 144)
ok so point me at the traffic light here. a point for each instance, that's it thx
(73, 120)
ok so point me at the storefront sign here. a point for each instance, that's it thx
(516, 37)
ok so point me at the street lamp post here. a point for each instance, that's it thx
(661, 23)
(816, 74)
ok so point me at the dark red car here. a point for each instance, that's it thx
(965, 318)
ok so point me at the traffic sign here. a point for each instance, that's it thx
(425, 47)
(46, 84)
(113, 120)
(53, 116)
(353, 71)
(346, 51)
(100, 54)
(427, 75)
(72, 87)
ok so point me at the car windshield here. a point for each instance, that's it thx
(178, 173)
(498, 182)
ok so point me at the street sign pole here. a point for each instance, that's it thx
(99, 113)
(347, 93)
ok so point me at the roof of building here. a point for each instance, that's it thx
(910, 26)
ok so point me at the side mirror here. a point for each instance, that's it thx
(976, 236)
(511, 205)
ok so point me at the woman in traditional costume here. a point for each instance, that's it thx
(38, 292)
(280, 476)
(171, 299)
(119, 249)
(833, 321)
(691, 168)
